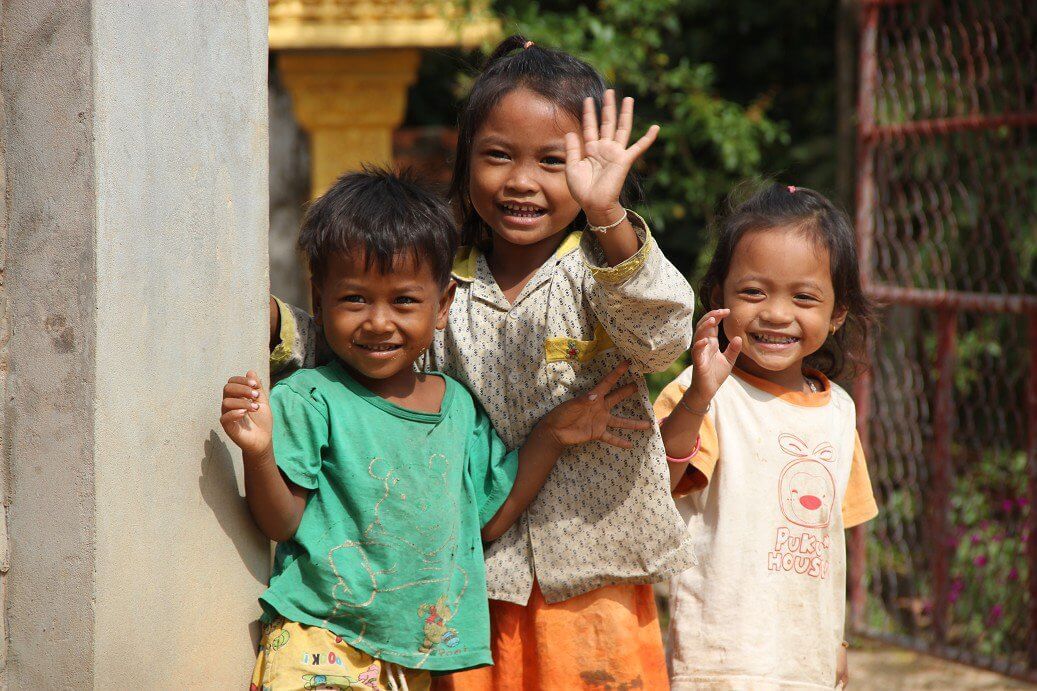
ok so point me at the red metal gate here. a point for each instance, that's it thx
(947, 223)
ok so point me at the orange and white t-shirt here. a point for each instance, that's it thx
(778, 477)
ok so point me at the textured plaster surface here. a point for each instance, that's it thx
(49, 271)
(180, 144)
(135, 148)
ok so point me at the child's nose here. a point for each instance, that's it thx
(379, 320)
(521, 180)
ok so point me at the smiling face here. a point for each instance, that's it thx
(518, 182)
(779, 290)
(378, 323)
(807, 493)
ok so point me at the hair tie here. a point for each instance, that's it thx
(527, 45)
(792, 189)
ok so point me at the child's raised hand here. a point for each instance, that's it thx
(587, 417)
(245, 414)
(710, 365)
(597, 166)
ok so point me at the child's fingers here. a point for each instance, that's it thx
(614, 440)
(619, 394)
(238, 380)
(573, 149)
(590, 121)
(240, 391)
(232, 416)
(642, 144)
(238, 404)
(610, 379)
(258, 385)
(733, 349)
(617, 422)
(626, 122)
(608, 115)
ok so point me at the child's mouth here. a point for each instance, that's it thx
(379, 349)
(773, 341)
(521, 213)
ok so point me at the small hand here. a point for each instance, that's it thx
(710, 366)
(245, 414)
(587, 417)
(597, 167)
(842, 669)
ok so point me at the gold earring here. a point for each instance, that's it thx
(832, 329)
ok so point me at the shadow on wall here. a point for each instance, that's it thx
(219, 488)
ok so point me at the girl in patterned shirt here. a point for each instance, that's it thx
(557, 285)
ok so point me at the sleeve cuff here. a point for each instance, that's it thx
(623, 271)
(861, 513)
(495, 499)
(281, 355)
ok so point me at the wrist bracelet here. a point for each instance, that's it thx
(610, 226)
(694, 452)
(700, 413)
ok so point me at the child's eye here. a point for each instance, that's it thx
(753, 292)
(353, 298)
(806, 298)
(498, 154)
(554, 161)
(406, 300)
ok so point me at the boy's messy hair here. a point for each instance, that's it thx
(514, 64)
(384, 216)
(780, 206)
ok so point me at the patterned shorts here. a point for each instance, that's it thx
(293, 656)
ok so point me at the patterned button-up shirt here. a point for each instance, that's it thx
(605, 515)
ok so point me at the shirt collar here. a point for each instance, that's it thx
(466, 259)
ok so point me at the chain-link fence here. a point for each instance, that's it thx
(947, 218)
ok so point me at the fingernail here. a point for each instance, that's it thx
(252, 384)
(592, 397)
(255, 406)
(255, 394)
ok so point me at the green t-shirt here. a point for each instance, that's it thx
(388, 554)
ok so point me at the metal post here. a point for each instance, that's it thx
(946, 342)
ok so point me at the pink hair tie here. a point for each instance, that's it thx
(792, 189)
(528, 44)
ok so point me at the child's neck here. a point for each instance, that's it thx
(513, 265)
(407, 388)
(791, 378)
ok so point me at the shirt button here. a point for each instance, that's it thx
(513, 314)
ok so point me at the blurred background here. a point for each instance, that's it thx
(918, 116)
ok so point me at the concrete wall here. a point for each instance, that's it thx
(136, 275)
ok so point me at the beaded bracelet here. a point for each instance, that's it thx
(610, 226)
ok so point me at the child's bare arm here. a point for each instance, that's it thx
(276, 503)
(680, 431)
(582, 419)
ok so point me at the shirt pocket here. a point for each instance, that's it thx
(568, 349)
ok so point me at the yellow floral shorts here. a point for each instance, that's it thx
(293, 656)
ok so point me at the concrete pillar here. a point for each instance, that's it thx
(135, 275)
(349, 103)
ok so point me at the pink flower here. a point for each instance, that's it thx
(995, 613)
(981, 560)
(1007, 505)
(1013, 574)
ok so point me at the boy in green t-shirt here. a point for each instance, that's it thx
(381, 482)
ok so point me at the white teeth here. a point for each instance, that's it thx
(378, 348)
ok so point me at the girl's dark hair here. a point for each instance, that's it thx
(384, 216)
(779, 206)
(517, 63)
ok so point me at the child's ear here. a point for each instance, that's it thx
(716, 298)
(838, 318)
(315, 301)
(445, 300)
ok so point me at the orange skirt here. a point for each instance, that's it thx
(605, 639)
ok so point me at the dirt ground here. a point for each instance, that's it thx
(877, 667)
